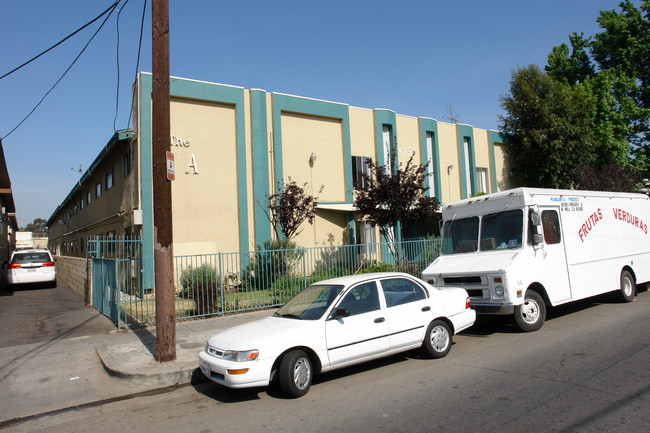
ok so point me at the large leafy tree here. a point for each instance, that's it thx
(37, 226)
(549, 129)
(391, 200)
(590, 105)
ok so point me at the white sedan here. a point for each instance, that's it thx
(336, 323)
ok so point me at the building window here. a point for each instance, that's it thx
(88, 195)
(431, 170)
(359, 168)
(74, 212)
(81, 203)
(98, 189)
(126, 162)
(468, 164)
(481, 180)
(109, 179)
(387, 132)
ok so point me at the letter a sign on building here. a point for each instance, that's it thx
(170, 166)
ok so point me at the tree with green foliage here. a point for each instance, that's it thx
(39, 225)
(548, 125)
(586, 117)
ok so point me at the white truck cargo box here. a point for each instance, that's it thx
(520, 250)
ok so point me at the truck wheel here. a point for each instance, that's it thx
(628, 287)
(437, 340)
(530, 315)
(295, 374)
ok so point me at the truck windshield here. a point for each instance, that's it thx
(460, 236)
(501, 230)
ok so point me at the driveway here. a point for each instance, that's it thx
(35, 313)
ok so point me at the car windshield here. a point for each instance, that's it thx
(23, 258)
(311, 303)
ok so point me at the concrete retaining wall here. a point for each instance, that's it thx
(75, 273)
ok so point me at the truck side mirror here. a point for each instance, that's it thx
(535, 218)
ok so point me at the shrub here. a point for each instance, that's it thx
(270, 261)
(202, 284)
(375, 266)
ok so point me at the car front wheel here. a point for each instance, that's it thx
(295, 373)
(437, 341)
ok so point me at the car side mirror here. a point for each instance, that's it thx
(339, 313)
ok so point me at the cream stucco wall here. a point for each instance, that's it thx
(204, 194)
(449, 177)
(408, 139)
(362, 133)
(303, 135)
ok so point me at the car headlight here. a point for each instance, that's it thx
(498, 291)
(240, 355)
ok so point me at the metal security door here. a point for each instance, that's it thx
(104, 287)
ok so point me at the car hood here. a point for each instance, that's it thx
(270, 331)
(472, 263)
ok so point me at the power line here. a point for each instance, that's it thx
(117, 96)
(61, 41)
(66, 71)
(137, 63)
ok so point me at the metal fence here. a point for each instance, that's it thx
(221, 283)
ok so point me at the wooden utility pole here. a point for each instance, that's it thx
(162, 188)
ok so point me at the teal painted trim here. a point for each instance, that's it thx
(351, 233)
(230, 95)
(260, 165)
(467, 131)
(313, 107)
(146, 168)
(495, 137)
(431, 125)
(385, 117)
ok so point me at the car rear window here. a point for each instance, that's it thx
(31, 258)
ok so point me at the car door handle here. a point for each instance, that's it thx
(427, 308)
(380, 320)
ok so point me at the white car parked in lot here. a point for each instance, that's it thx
(336, 323)
(31, 266)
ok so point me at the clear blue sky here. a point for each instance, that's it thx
(413, 57)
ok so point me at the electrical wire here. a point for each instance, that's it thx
(137, 63)
(112, 9)
(117, 96)
(61, 41)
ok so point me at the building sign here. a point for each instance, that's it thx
(170, 166)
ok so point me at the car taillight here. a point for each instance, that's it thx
(14, 265)
(467, 304)
(48, 264)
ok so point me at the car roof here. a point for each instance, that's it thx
(31, 250)
(348, 280)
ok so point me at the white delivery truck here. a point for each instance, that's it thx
(519, 251)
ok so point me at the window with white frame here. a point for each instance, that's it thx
(387, 131)
(431, 170)
(468, 175)
(482, 180)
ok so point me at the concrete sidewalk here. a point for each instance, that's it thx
(64, 373)
(134, 360)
